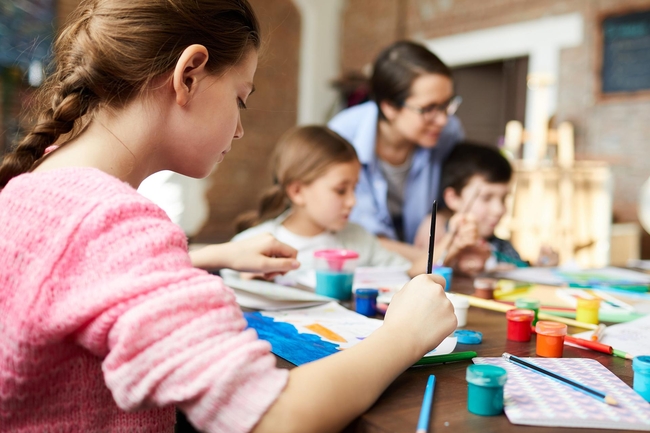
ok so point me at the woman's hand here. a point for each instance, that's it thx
(262, 254)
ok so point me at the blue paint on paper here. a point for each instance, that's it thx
(287, 342)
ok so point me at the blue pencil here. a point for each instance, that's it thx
(558, 378)
(425, 412)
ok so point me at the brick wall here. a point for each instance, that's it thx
(616, 131)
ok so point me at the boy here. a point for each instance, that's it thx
(475, 182)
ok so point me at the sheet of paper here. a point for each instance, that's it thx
(533, 399)
(274, 291)
(307, 334)
(631, 337)
(257, 302)
(560, 276)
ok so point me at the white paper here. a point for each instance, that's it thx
(548, 276)
(264, 295)
(631, 337)
(349, 327)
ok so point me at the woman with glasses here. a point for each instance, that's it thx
(402, 137)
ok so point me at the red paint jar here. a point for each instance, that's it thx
(519, 324)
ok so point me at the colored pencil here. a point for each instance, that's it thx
(599, 395)
(432, 236)
(598, 347)
(499, 306)
(449, 357)
(598, 333)
(425, 412)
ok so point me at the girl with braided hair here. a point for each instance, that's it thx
(106, 322)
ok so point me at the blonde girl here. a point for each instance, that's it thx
(106, 324)
(315, 172)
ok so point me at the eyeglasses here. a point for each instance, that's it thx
(430, 112)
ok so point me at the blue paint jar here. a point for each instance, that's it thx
(446, 273)
(641, 367)
(366, 301)
(485, 389)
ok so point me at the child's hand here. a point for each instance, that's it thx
(547, 257)
(471, 260)
(421, 310)
(260, 254)
(466, 229)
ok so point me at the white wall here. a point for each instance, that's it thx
(541, 40)
(319, 58)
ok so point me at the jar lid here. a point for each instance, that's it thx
(466, 336)
(641, 364)
(527, 303)
(336, 257)
(590, 304)
(485, 283)
(520, 315)
(486, 375)
(366, 293)
(551, 328)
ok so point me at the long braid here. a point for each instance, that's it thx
(69, 100)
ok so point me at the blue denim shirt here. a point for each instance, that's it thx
(359, 126)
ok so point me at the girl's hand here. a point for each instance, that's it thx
(422, 311)
(260, 254)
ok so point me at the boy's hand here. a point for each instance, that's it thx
(547, 257)
(471, 260)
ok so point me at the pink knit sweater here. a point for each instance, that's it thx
(104, 323)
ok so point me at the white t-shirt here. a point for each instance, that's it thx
(351, 237)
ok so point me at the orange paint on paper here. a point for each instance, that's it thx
(324, 332)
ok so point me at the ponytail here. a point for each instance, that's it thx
(272, 203)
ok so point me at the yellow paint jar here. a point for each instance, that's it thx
(587, 310)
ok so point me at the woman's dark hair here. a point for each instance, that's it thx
(111, 50)
(472, 159)
(303, 154)
(397, 67)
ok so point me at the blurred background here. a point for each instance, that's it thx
(585, 63)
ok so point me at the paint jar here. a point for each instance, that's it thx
(484, 287)
(485, 389)
(529, 304)
(365, 301)
(587, 310)
(446, 273)
(641, 367)
(461, 305)
(550, 339)
(335, 272)
(519, 324)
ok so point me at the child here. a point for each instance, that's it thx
(475, 181)
(315, 172)
(106, 325)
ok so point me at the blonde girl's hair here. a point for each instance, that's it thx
(111, 50)
(303, 154)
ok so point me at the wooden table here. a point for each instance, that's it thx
(397, 410)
